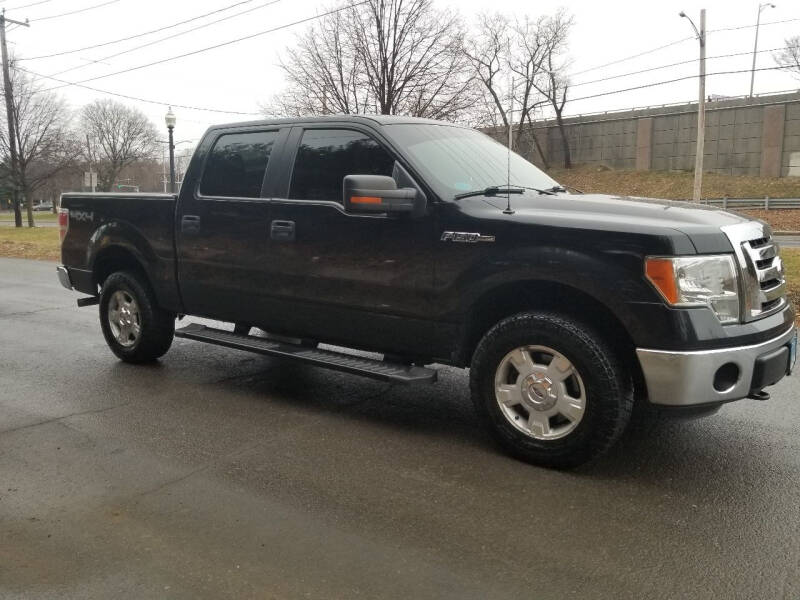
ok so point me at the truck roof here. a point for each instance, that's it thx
(366, 119)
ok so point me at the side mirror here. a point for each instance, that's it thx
(377, 194)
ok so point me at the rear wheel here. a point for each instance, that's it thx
(135, 328)
(549, 389)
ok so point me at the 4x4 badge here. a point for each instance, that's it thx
(463, 236)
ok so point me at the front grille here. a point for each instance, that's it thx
(763, 241)
(763, 281)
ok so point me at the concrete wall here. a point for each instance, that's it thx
(749, 136)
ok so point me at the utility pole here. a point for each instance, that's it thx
(755, 46)
(701, 112)
(701, 106)
(12, 138)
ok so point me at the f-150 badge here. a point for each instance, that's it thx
(465, 237)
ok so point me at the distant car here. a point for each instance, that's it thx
(42, 207)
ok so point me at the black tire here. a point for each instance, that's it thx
(157, 326)
(608, 388)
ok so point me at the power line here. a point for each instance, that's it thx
(75, 12)
(626, 58)
(234, 112)
(169, 37)
(138, 35)
(135, 98)
(644, 53)
(675, 64)
(738, 27)
(29, 5)
(665, 82)
(214, 47)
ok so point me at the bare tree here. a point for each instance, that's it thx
(45, 142)
(382, 56)
(506, 54)
(553, 82)
(789, 57)
(70, 178)
(322, 71)
(116, 136)
(531, 43)
(488, 53)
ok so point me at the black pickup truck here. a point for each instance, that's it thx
(429, 243)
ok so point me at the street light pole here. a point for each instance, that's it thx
(755, 45)
(170, 121)
(701, 106)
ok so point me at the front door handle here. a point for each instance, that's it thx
(190, 224)
(282, 231)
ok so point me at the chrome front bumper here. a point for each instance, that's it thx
(688, 378)
(63, 277)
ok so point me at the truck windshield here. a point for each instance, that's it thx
(455, 160)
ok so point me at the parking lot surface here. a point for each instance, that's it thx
(216, 473)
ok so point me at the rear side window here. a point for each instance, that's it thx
(237, 163)
(324, 158)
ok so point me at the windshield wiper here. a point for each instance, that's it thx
(492, 190)
(548, 191)
(563, 188)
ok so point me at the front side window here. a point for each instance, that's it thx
(325, 156)
(236, 165)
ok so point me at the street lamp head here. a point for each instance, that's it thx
(170, 118)
(682, 14)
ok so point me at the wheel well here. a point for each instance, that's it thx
(115, 259)
(509, 299)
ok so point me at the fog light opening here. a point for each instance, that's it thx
(726, 377)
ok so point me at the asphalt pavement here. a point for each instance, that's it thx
(217, 474)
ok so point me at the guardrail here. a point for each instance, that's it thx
(765, 203)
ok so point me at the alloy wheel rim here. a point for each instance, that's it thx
(124, 318)
(540, 392)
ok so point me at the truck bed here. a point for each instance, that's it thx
(144, 224)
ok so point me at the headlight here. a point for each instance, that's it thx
(698, 281)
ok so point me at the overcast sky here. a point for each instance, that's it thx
(239, 76)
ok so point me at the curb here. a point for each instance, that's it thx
(786, 233)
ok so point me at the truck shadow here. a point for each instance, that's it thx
(653, 449)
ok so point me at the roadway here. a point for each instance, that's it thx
(219, 474)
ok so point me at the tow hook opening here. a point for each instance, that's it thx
(726, 377)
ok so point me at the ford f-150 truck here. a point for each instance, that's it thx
(427, 243)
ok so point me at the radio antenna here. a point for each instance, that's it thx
(510, 119)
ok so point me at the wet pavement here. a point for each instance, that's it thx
(216, 473)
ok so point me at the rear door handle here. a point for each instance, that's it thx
(282, 231)
(190, 224)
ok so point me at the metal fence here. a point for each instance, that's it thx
(765, 203)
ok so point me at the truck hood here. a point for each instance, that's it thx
(699, 222)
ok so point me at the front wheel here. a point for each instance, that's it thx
(134, 326)
(549, 389)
